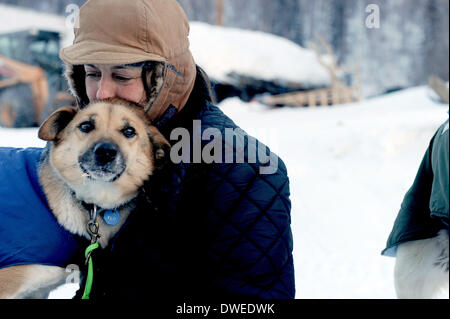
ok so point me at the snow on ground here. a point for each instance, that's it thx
(258, 54)
(349, 168)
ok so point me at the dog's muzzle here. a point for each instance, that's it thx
(103, 161)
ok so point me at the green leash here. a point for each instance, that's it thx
(90, 275)
(92, 228)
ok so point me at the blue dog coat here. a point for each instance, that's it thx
(29, 232)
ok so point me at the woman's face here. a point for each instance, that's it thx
(109, 81)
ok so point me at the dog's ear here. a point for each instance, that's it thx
(56, 122)
(161, 147)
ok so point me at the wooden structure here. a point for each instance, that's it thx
(439, 87)
(338, 93)
(219, 12)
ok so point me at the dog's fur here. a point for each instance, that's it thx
(70, 175)
(421, 268)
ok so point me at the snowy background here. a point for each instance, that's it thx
(411, 44)
(349, 168)
(349, 165)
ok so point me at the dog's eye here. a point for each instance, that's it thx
(86, 127)
(129, 132)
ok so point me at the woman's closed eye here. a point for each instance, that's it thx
(122, 78)
(93, 74)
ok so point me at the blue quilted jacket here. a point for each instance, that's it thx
(207, 230)
(29, 232)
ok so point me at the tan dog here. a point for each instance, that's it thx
(100, 155)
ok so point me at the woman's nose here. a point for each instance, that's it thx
(105, 89)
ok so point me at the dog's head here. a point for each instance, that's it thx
(105, 151)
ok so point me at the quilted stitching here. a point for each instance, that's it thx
(259, 242)
(248, 219)
(251, 237)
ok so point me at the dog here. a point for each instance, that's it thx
(422, 268)
(97, 157)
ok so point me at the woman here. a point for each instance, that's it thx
(207, 229)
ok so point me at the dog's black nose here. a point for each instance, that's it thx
(105, 153)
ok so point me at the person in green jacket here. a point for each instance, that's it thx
(419, 238)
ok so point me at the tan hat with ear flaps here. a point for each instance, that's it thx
(123, 32)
